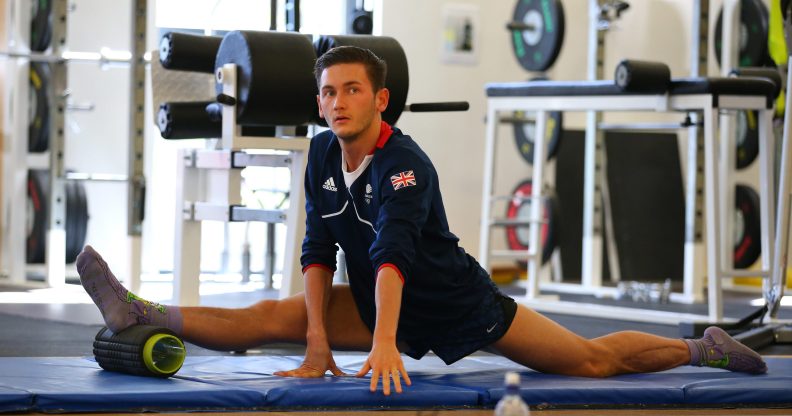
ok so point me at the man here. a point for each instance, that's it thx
(374, 192)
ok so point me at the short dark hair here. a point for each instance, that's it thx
(376, 68)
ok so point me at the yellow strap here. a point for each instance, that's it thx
(776, 44)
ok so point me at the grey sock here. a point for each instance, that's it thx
(719, 350)
(696, 351)
(121, 308)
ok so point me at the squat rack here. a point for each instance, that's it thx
(17, 160)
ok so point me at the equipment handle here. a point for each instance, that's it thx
(440, 106)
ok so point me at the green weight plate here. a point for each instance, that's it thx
(537, 33)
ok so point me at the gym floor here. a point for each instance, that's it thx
(63, 323)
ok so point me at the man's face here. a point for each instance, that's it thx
(347, 100)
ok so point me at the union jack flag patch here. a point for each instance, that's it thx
(403, 179)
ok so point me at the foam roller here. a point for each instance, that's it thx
(142, 350)
(642, 76)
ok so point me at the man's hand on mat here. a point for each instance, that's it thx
(385, 361)
(316, 363)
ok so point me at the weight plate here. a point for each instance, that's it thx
(747, 137)
(41, 25)
(362, 22)
(754, 21)
(524, 135)
(747, 231)
(38, 189)
(76, 225)
(537, 47)
(38, 108)
(76, 220)
(520, 208)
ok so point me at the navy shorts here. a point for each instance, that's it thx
(483, 326)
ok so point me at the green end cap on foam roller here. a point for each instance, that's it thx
(142, 350)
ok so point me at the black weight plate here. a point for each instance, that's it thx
(754, 21)
(38, 189)
(747, 137)
(747, 227)
(76, 219)
(524, 135)
(537, 49)
(786, 5)
(362, 22)
(76, 225)
(517, 235)
(38, 108)
(41, 25)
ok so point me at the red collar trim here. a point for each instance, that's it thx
(385, 133)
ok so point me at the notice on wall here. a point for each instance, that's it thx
(460, 34)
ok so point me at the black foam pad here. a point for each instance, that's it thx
(761, 72)
(185, 52)
(275, 82)
(188, 120)
(643, 76)
(387, 49)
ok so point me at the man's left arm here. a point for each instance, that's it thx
(385, 360)
(406, 193)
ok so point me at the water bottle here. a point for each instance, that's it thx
(511, 404)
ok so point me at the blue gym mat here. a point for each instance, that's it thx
(60, 385)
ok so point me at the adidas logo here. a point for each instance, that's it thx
(330, 185)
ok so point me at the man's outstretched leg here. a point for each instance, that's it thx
(539, 343)
(224, 329)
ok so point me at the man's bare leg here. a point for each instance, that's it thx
(220, 328)
(271, 321)
(541, 344)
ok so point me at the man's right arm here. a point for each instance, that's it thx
(318, 283)
(318, 356)
(318, 259)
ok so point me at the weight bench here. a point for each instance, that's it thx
(705, 96)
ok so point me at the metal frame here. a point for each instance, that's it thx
(773, 287)
(715, 269)
(18, 161)
(15, 152)
(136, 180)
(208, 188)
